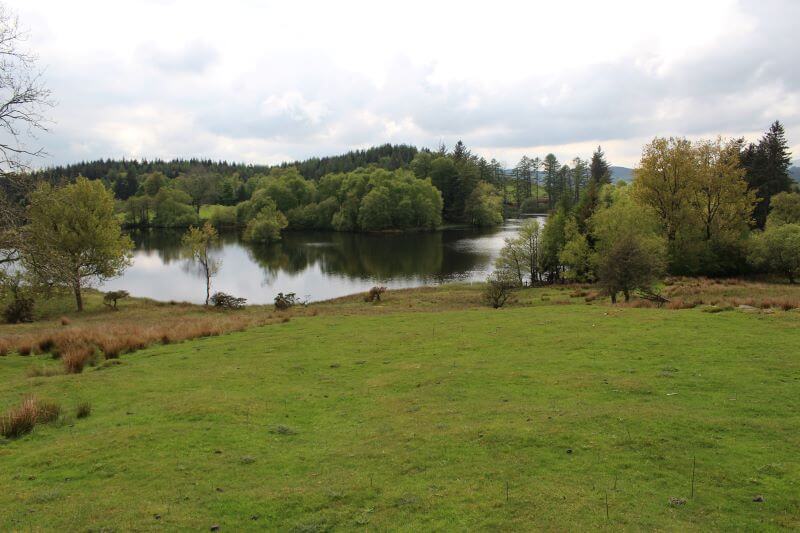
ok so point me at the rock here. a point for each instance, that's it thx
(215, 528)
(675, 501)
(157, 516)
(759, 499)
(569, 450)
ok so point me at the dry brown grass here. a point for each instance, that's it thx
(731, 292)
(5, 347)
(77, 344)
(20, 420)
(75, 358)
(65, 321)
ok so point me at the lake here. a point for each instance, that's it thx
(314, 265)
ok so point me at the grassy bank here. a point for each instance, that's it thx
(427, 411)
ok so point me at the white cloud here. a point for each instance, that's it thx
(267, 81)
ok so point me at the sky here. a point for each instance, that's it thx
(271, 81)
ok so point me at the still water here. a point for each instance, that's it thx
(313, 265)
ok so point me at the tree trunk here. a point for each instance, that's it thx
(78, 296)
(208, 287)
(627, 294)
(613, 297)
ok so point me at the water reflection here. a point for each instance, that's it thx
(318, 265)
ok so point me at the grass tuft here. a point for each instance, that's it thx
(83, 410)
(21, 420)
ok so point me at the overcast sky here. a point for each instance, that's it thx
(264, 82)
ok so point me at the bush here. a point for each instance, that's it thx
(110, 298)
(19, 310)
(374, 294)
(499, 288)
(285, 301)
(226, 301)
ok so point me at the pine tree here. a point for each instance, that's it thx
(599, 170)
(767, 169)
(551, 168)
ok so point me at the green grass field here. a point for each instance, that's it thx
(538, 416)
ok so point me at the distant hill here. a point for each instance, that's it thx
(624, 173)
(621, 173)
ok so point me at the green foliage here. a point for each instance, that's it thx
(499, 288)
(785, 209)
(777, 250)
(222, 216)
(153, 183)
(266, 225)
(576, 256)
(767, 169)
(630, 249)
(173, 210)
(73, 235)
(484, 206)
(553, 241)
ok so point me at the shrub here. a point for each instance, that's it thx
(19, 310)
(374, 294)
(285, 301)
(83, 410)
(499, 289)
(226, 301)
(5, 347)
(110, 298)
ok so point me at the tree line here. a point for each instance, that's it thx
(711, 207)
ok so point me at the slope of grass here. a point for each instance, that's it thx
(447, 417)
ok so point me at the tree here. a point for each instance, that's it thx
(576, 256)
(553, 241)
(199, 244)
(484, 207)
(767, 169)
(153, 183)
(23, 101)
(664, 181)
(785, 209)
(511, 263)
(719, 196)
(777, 250)
(499, 288)
(529, 241)
(551, 168)
(265, 225)
(580, 177)
(73, 236)
(599, 171)
(630, 250)
(201, 186)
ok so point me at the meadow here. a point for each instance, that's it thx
(427, 411)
